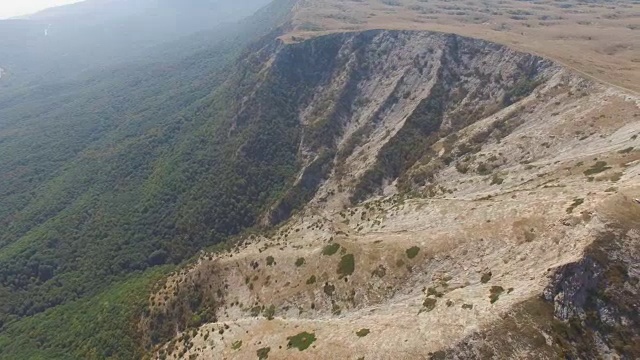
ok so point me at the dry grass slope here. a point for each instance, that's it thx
(600, 39)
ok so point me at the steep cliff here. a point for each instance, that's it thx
(370, 105)
(446, 189)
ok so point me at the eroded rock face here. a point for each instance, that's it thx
(571, 287)
(371, 105)
(598, 297)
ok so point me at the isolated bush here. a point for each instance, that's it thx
(270, 261)
(301, 341)
(263, 353)
(331, 249)
(485, 277)
(495, 292)
(429, 304)
(347, 265)
(412, 252)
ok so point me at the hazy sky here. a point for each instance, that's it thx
(11, 8)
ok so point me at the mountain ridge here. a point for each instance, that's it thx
(482, 219)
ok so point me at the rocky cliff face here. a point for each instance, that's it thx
(596, 297)
(371, 104)
(454, 199)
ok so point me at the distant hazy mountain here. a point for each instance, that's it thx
(67, 40)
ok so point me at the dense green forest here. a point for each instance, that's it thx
(109, 180)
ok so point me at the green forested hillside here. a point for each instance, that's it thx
(107, 181)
